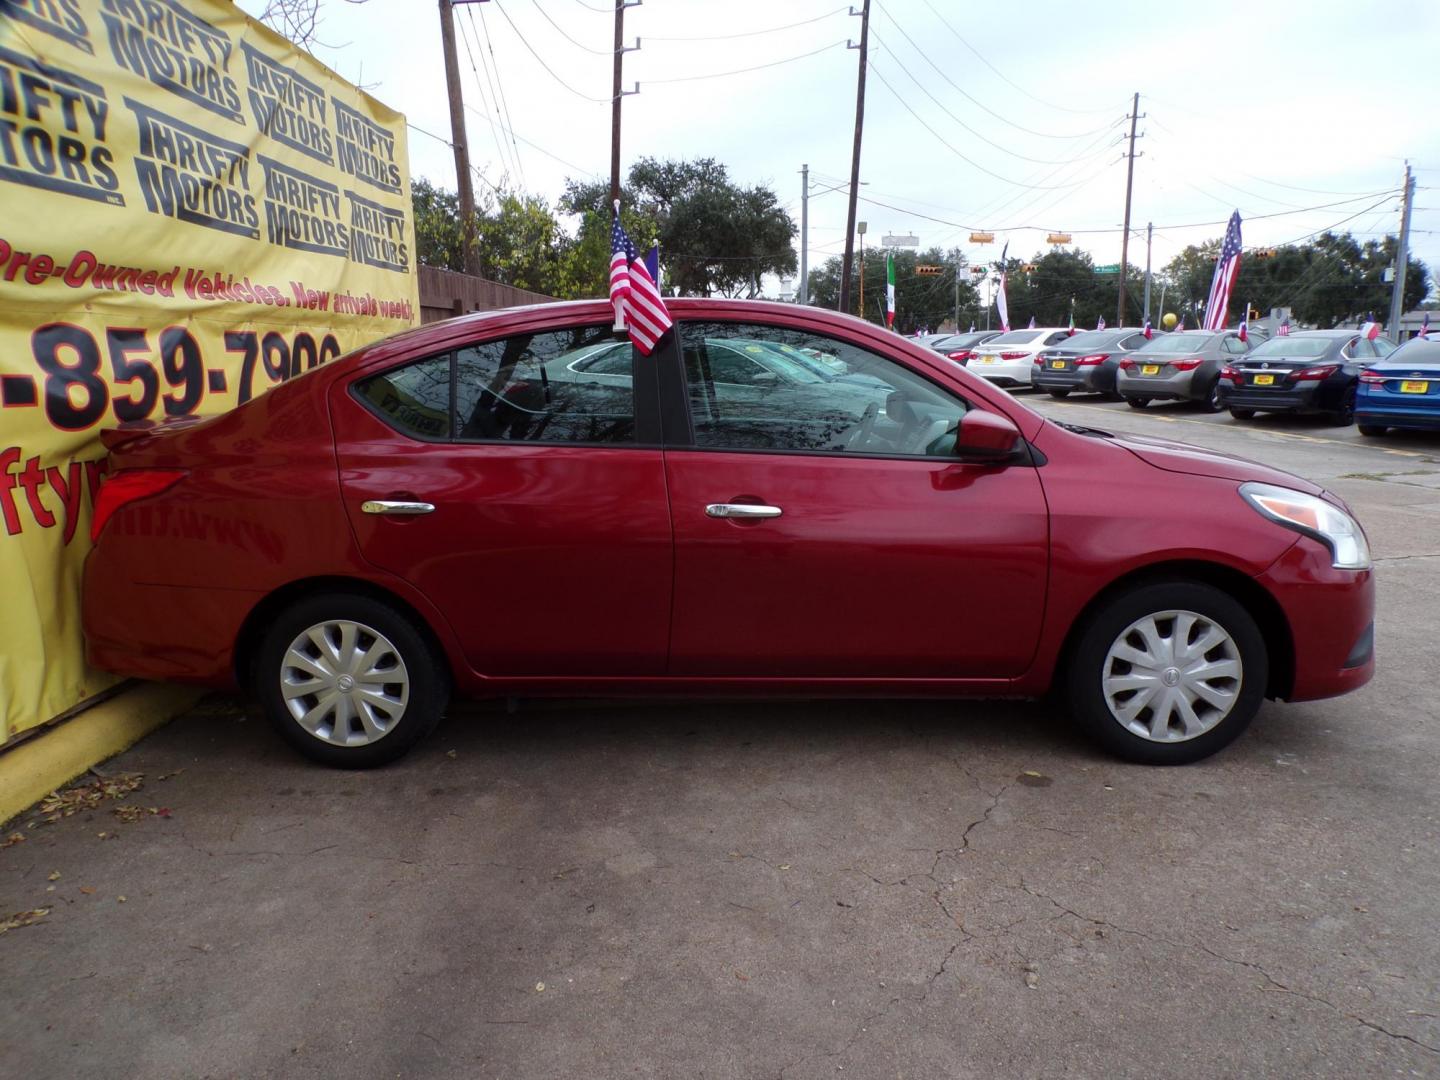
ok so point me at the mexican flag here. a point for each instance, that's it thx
(890, 289)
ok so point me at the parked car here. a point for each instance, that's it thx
(1402, 390)
(1087, 362)
(1312, 371)
(961, 347)
(1182, 366)
(459, 506)
(1009, 358)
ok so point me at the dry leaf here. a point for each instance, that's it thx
(88, 890)
(54, 876)
(120, 899)
(61, 804)
(13, 838)
(540, 988)
(23, 918)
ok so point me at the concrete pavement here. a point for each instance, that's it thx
(793, 890)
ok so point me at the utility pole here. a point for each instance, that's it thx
(957, 290)
(615, 102)
(804, 234)
(855, 157)
(1129, 184)
(1402, 259)
(463, 181)
(1149, 238)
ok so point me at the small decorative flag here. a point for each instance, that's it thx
(972, 328)
(652, 263)
(1072, 317)
(1180, 321)
(1371, 330)
(1100, 323)
(1285, 327)
(1245, 323)
(890, 289)
(1032, 323)
(1425, 325)
(1227, 269)
(1149, 333)
(633, 292)
(1001, 304)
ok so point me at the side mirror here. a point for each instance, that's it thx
(986, 437)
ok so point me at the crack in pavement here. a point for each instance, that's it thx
(1274, 983)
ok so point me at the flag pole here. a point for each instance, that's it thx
(617, 303)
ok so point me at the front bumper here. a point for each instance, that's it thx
(1331, 614)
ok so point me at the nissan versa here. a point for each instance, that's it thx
(473, 504)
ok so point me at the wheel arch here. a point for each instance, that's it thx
(1257, 600)
(252, 630)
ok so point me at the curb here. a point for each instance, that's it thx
(46, 762)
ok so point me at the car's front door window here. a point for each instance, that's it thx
(852, 401)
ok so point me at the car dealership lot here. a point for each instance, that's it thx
(770, 889)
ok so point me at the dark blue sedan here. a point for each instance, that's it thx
(1401, 391)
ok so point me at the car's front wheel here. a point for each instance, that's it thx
(1372, 430)
(349, 680)
(1137, 402)
(1242, 414)
(1169, 673)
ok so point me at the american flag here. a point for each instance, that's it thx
(1227, 269)
(1285, 327)
(1148, 331)
(1245, 323)
(1100, 323)
(633, 292)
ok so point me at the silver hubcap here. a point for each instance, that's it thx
(1172, 676)
(344, 683)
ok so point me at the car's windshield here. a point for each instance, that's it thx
(1292, 346)
(1174, 343)
(1015, 337)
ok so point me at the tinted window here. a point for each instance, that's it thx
(1176, 343)
(1293, 347)
(1235, 345)
(876, 406)
(1057, 337)
(1015, 337)
(414, 399)
(538, 388)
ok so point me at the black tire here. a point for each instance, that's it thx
(426, 677)
(1104, 627)
(1211, 401)
(1137, 402)
(1344, 416)
(1060, 392)
(1372, 430)
(1242, 414)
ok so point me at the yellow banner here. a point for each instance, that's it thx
(191, 211)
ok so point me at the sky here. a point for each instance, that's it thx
(1009, 118)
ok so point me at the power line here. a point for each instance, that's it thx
(536, 146)
(480, 89)
(991, 142)
(941, 139)
(499, 82)
(749, 33)
(567, 37)
(529, 48)
(742, 71)
(978, 103)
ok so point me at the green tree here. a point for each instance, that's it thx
(920, 299)
(715, 236)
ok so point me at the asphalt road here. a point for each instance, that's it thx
(775, 890)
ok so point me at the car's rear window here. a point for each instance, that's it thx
(1293, 346)
(1015, 337)
(1185, 342)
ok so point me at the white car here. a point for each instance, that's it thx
(1009, 359)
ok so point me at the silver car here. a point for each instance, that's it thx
(1183, 366)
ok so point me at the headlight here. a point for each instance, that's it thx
(1316, 518)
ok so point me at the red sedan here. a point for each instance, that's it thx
(779, 500)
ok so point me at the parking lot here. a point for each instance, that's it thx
(774, 889)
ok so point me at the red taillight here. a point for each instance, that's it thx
(1127, 364)
(1373, 380)
(1013, 355)
(1092, 359)
(963, 355)
(125, 487)
(1187, 365)
(1230, 373)
(1324, 371)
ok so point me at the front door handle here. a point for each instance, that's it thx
(395, 506)
(742, 511)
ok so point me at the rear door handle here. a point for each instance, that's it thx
(395, 506)
(742, 511)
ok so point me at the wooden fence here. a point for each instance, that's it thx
(444, 293)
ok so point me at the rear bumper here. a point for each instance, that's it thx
(1387, 414)
(1177, 387)
(1331, 614)
(1005, 373)
(1300, 399)
(1090, 379)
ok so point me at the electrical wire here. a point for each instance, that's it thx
(991, 142)
(742, 71)
(536, 146)
(480, 89)
(592, 7)
(529, 48)
(977, 102)
(499, 82)
(567, 37)
(749, 33)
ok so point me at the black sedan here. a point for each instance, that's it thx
(960, 347)
(1312, 371)
(1086, 362)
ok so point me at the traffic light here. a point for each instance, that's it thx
(1254, 314)
(929, 269)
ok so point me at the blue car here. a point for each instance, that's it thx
(1401, 391)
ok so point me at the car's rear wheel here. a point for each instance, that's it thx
(1167, 674)
(1243, 414)
(1211, 401)
(1137, 402)
(1372, 430)
(1060, 392)
(349, 680)
(1344, 415)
